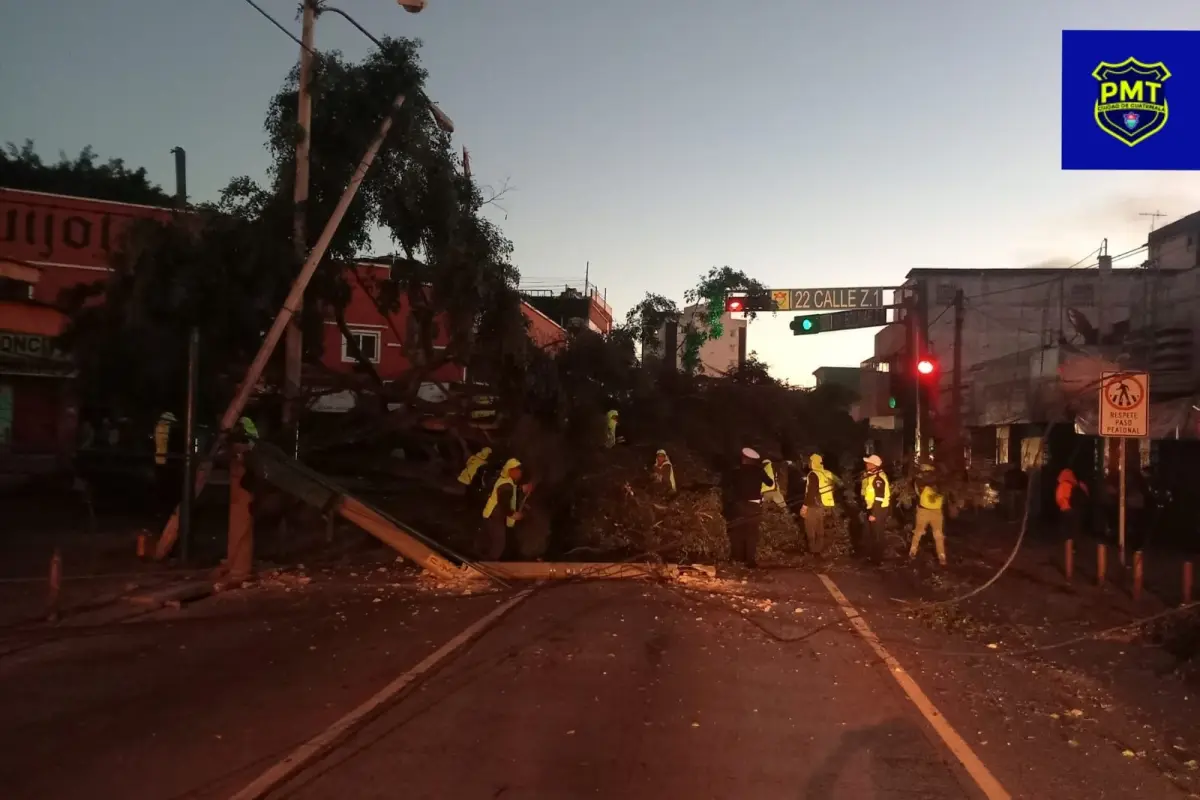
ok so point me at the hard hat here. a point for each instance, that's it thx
(661, 453)
(874, 461)
(512, 463)
(750, 452)
(168, 416)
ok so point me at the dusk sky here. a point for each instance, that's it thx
(809, 144)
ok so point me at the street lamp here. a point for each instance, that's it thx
(413, 7)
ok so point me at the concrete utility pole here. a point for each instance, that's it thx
(294, 343)
(291, 306)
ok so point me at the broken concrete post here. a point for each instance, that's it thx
(240, 553)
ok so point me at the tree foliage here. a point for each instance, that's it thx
(710, 294)
(228, 266)
(85, 176)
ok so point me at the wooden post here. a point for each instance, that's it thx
(1138, 575)
(1188, 579)
(240, 552)
(52, 601)
(1101, 563)
(1069, 559)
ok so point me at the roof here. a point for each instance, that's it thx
(1182, 225)
(1035, 272)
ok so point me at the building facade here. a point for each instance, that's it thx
(717, 356)
(49, 243)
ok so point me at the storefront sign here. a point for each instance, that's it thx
(15, 346)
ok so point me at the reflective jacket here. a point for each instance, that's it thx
(868, 489)
(825, 480)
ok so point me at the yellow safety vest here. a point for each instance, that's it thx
(868, 489)
(610, 437)
(666, 469)
(494, 499)
(932, 499)
(467, 476)
(162, 436)
(769, 468)
(825, 485)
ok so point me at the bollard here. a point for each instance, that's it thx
(1069, 559)
(55, 583)
(1101, 563)
(1187, 582)
(1139, 575)
(141, 545)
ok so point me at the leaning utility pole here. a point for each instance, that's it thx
(291, 306)
(293, 348)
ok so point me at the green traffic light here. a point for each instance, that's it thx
(807, 324)
(891, 402)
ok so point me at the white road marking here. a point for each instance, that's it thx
(314, 747)
(962, 751)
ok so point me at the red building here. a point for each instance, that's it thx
(51, 242)
(48, 242)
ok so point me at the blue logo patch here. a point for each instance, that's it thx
(1131, 99)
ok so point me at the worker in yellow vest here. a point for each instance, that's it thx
(770, 486)
(500, 512)
(474, 463)
(819, 488)
(877, 500)
(664, 471)
(162, 437)
(610, 434)
(930, 514)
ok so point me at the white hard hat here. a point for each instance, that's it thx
(874, 461)
(750, 452)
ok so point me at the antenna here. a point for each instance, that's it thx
(1154, 216)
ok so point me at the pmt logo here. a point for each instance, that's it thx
(1131, 103)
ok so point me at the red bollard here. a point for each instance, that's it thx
(55, 583)
(1069, 559)
(1139, 575)
(1187, 582)
(1101, 563)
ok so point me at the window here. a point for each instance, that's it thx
(1082, 294)
(368, 343)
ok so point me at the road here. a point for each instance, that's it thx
(623, 690)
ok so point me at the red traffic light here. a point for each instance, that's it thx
(735, 305)
(925, 366)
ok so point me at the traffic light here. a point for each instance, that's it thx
(735, 305)
(926, 366)
(803, 325)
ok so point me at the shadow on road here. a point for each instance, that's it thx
(894, 755)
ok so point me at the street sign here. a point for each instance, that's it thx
(831, 299)
(1125, 404)
(840, 321)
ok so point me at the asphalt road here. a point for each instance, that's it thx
(622, 690)
(632, 691)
